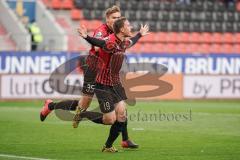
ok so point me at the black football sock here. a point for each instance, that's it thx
(115, 130)
(125, 131)
(65, 105)
(95, 117)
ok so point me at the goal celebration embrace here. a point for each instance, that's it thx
(120, 79)
(102, 77)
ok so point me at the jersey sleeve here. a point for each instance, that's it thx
(99, 34)
(95, 42)
(106, 44)
(128, 43)
(132, 41)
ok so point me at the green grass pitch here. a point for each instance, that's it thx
(211, 133)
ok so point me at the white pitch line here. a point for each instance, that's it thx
(138, 129)
(21, 157)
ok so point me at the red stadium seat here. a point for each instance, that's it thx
(159, 47)
(181, 48)
(236, 48)
(227, 48)
(215, 48)
(228, 38)
(195, 37)
(56, 4)
(206, 37)
(216, 38)
(76, 14)
(156, 47)
(173, 37)
(237, 38)
(204, 48)
(161, 37)
(184, 37)
(171, 48)
(91, 25)
(192, 48)
(137, 48)
(148, 48)
(156, 37)
(95, 24)
(148, 38)
(67, 4)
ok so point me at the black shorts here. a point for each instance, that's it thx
(108, 96)
(89, 82)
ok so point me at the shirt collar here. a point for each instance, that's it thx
(108, 29)
(117, 39)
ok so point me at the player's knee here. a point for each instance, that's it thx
(120, 106)
(121, 112)
(122, 116)
(109, 120)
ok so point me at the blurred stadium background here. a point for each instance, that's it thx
(198, 40)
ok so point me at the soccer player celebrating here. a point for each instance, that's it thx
(109, 91)
(112, 14)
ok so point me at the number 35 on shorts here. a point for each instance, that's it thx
(90, 88)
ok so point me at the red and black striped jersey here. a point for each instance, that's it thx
(100, 33)
(112, 56)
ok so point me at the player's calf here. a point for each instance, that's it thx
(77, 118)
(83, 104)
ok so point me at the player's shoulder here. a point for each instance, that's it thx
(102, 31)
(99, 32)
(111, 37)
(110, 43)
(101, 27)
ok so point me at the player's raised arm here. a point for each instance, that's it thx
(82, 30)
(106, 45)
(142, 32)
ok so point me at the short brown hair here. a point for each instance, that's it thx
(112, 10)
(118, 24)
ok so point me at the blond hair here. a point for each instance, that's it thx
(112, 10)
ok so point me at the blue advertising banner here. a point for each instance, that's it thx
(213, 64)
(46, 62)
(30, 62)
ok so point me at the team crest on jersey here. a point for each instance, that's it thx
(110, 46)
(106, 38)
(98, 35)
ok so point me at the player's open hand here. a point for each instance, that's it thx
(82, 31)
(144, 29)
